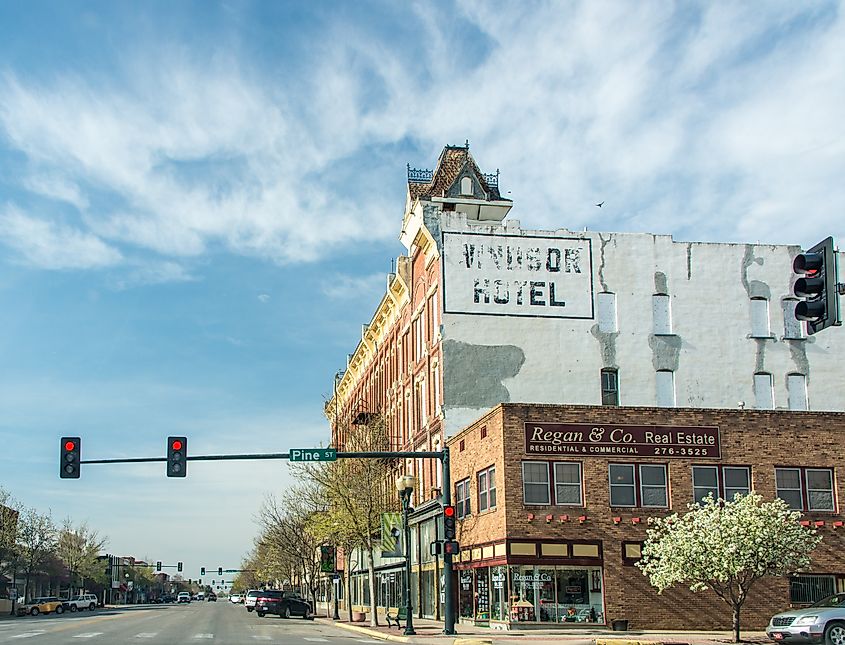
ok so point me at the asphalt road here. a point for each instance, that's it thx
(221, 623)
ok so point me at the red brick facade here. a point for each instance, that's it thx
(759, 440)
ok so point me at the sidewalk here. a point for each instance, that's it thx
(431, 632)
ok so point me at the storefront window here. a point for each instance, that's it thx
(498, 593)
(428, 593)
(556, 594)
(546, 604)
(523, 594)
(482, 595)
(467, 607)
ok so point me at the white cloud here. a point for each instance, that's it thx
(57, 187)
(350, 287)
(52, 245)
(264, 298)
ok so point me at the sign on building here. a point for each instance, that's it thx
(517, 275)
(622, 440)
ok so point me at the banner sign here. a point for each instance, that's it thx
(622, 440)
(391, 529)
(517, 275)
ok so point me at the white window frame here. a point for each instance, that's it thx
(606, 312)
(661, 313)
(487, 490)
(580, 484)
(536, 483)
(462, 499)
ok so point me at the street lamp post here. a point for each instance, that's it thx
(405, 486)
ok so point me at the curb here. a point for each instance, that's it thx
(473, 641)
(372, 632)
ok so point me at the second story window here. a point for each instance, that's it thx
(462, 498)
(806, 489)
(487, 489)
(568, 484)
(764, 394)
(796, 388)
(720, 481)
(535, 482)
(609, 387)
(638, 485)
(665, 383)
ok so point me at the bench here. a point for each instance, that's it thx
(401, 614)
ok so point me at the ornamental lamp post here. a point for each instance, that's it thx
(405, 486)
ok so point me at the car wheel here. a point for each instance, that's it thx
(834, 634)
(92, 606)
(260, 614)
(34, 611)
(73, 608)
(287, 615)
(249, 608)
(61, 610)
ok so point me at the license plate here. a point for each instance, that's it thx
(778, 636)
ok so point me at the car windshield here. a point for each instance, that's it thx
(252, 594)
(836, 600)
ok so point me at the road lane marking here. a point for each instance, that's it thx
(146, 635)
(316, 640)
(28, 634)
(262, 638)
(370, 640)
(203, 635)
(88, 635)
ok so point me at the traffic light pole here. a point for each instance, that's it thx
(442, 455)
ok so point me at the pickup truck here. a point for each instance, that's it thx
(80, 602)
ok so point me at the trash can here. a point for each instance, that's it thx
(620, 625)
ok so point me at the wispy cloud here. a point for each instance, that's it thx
(349, 287)
(53, 245)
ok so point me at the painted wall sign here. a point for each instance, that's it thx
(517, 275)
(622, 440)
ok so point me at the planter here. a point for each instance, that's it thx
(358, 616)
(619, 625)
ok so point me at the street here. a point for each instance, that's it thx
(196, 622)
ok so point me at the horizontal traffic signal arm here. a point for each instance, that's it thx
(270, 455)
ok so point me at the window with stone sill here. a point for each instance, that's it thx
(806, 489)
(639, 485)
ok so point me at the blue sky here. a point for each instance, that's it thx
(199, 202)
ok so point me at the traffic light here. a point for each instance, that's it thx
(327, 559)
(219, 571)
(179, 567)
(202, 571)
(177, 450)
(449, 522)
(69, 459)
(818, 286)
(158, 566)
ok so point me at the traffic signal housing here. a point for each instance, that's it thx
(817, 287)
(219, 571)
(179, 567)
(177, 450)
(69, 458)
(158, 566)
(202, 571)
(449, 519)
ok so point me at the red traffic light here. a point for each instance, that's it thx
(177, 445)
(449, 511)
(69, 445)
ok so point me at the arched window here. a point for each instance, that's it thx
(466, 186)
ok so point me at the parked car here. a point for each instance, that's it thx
(823, 621)
(283, 603)
(212, 597)
(43, 605)
(236, 598)
(250, 597)
(183, 596)
(166, 598)
(82, 601)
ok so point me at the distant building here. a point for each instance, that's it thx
(482, 312)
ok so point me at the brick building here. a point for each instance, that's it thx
(554, 511)
(481, 312)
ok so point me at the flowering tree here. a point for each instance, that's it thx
(726, 547)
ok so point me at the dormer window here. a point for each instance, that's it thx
(466, 186)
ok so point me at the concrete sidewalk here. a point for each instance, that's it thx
(431, 631)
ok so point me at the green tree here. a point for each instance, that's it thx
(36, 542)
(726, 547)
(79, 547)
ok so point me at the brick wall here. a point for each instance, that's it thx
(758, 439)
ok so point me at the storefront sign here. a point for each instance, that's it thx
(532, 577)
(622, 440)
(517, 275)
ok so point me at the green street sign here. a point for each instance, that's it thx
(313, 454)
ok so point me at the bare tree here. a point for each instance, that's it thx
(357, 492)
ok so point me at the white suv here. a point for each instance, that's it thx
(82, 601)
(183, 596)
(250, 598)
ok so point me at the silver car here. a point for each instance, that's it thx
(823, 621)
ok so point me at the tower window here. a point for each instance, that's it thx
(466, 186)
(609, 387)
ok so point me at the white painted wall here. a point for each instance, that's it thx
(710, 287)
